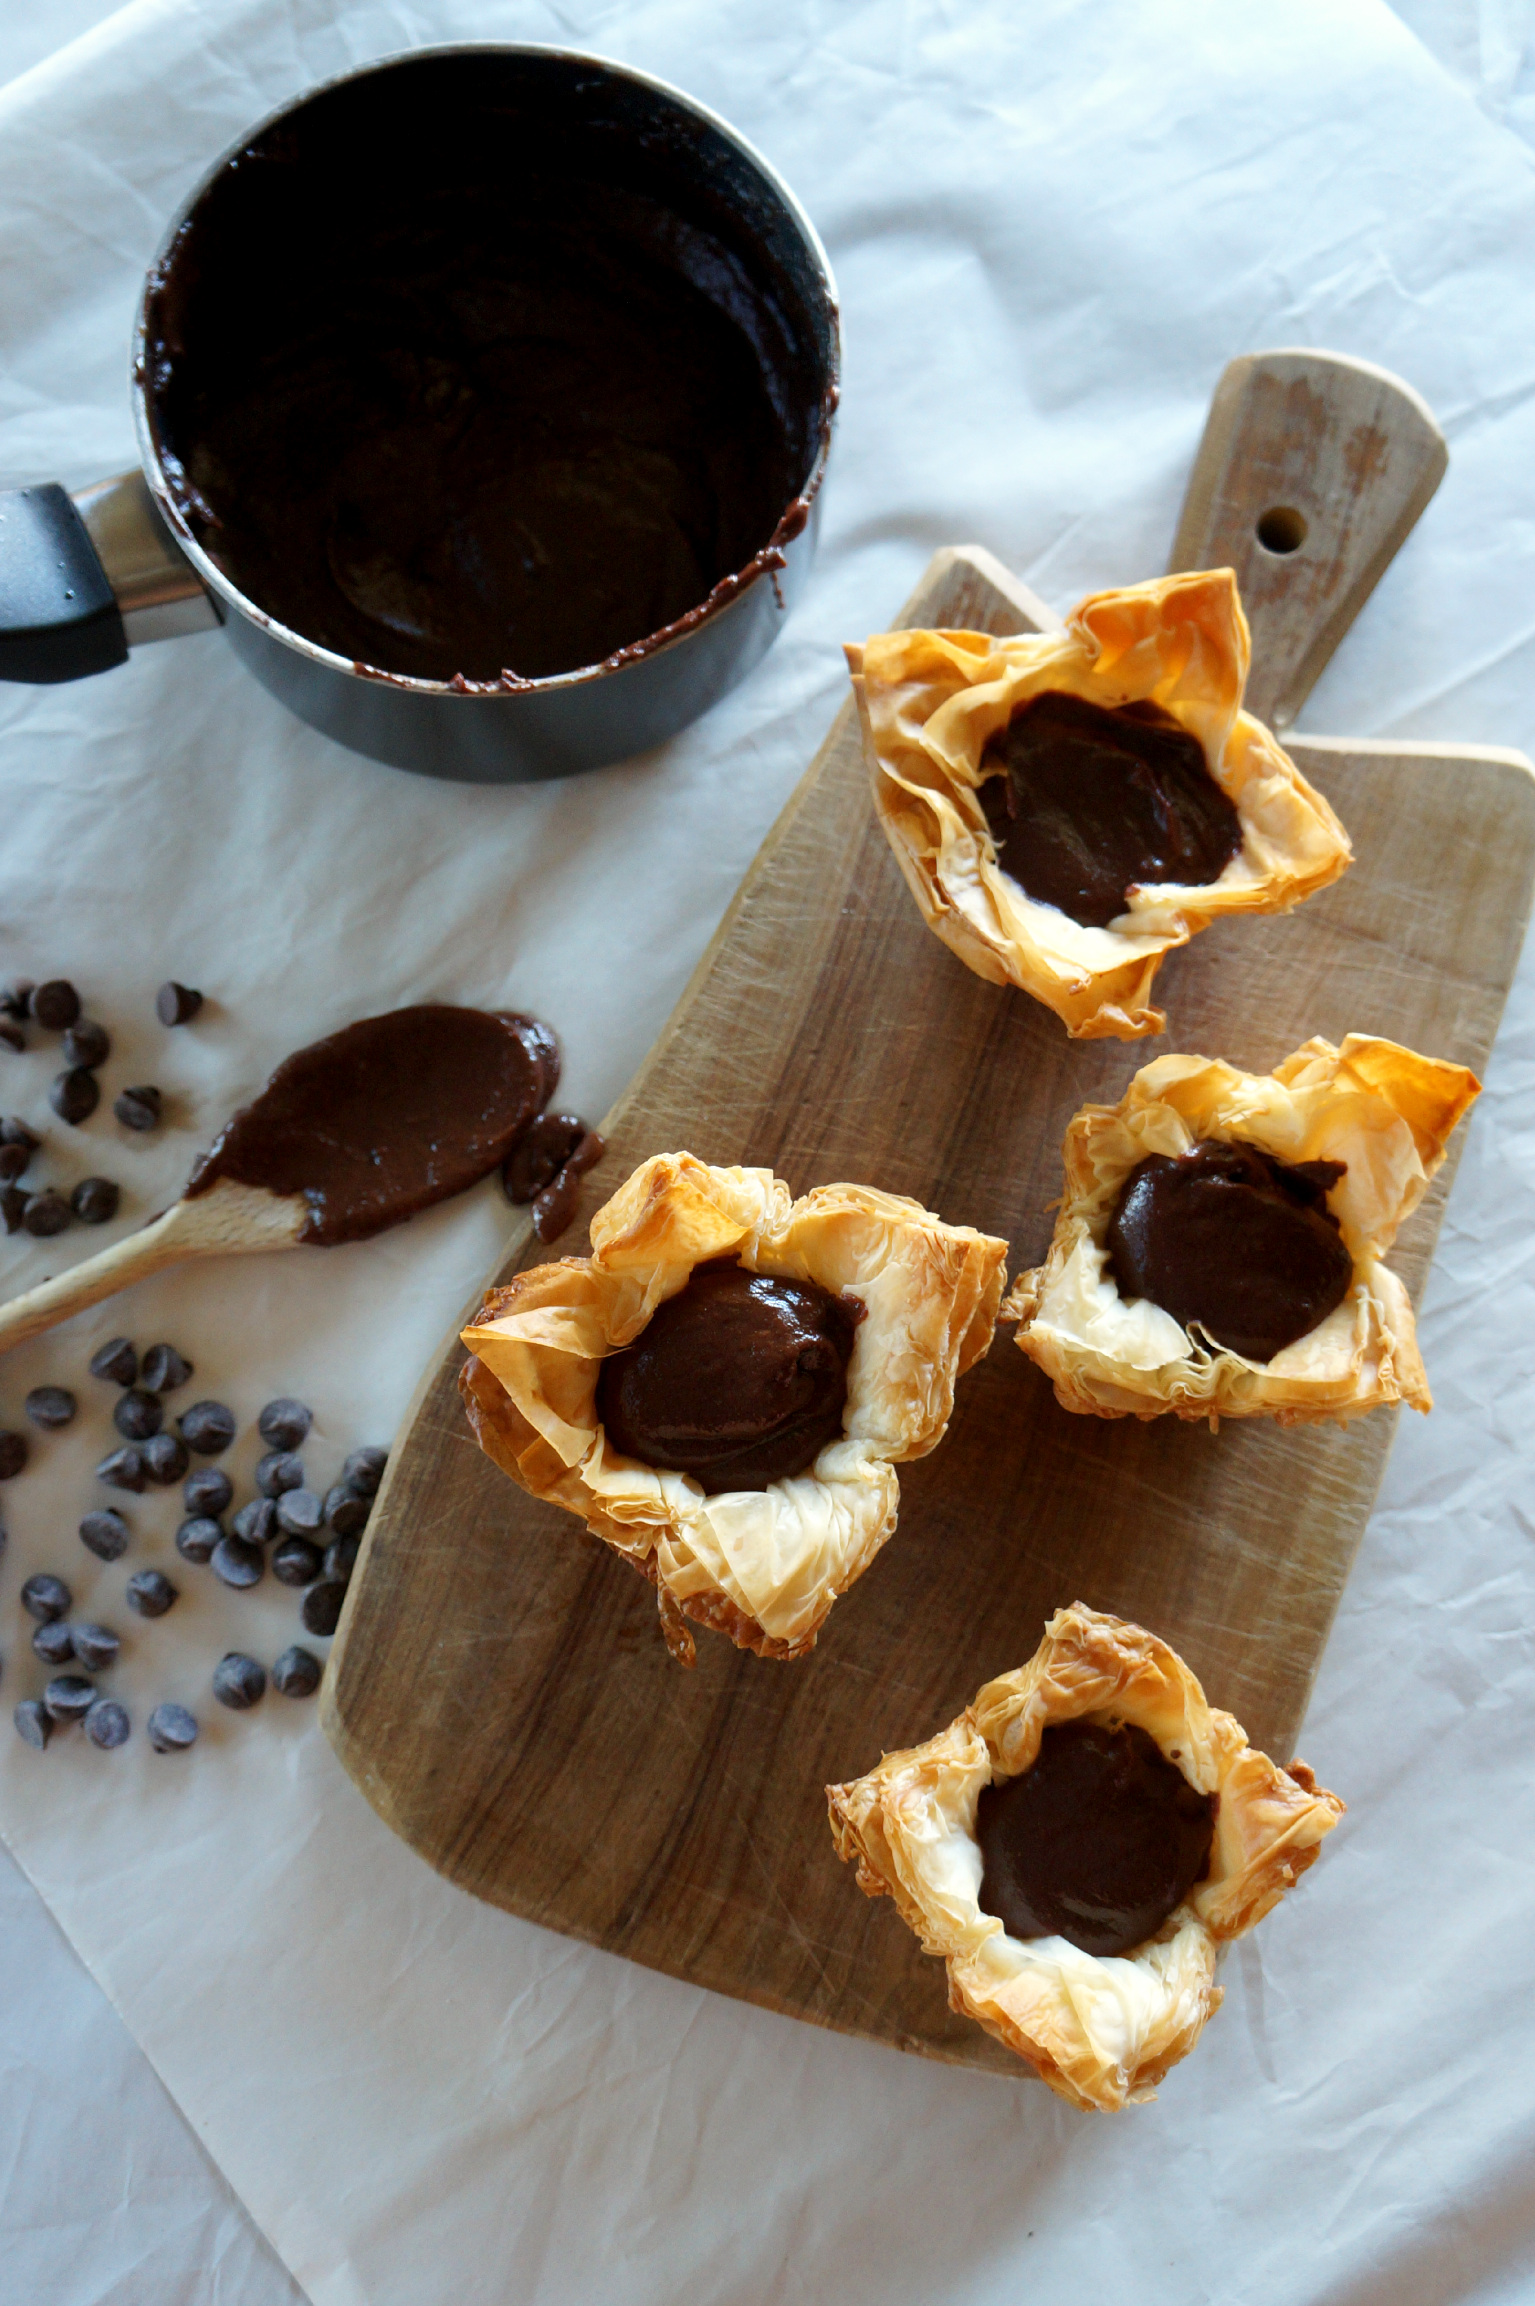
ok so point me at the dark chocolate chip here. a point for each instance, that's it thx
(32, 1723)
(256, 1523)
(75, 1095)
(137, 1414)
(96, 1646)
(284, 1422)
(13, 1455)
(55, 1005)
(322, 1606)
(165, 1458)
(208, 1489)
(14, 1160)
(13, 1207)
(296, 1562)
(346, 1512)
(237, 1563)
(171, 1729)
(197, 1537)
(45, 1213)
(122, 1469)
(341, 1558)
(106, 1725)
(87, 1043)
(14, 1131)
(54, 1642)
(238, 1681)
(45, 1597)
(51, 1405)
(208, 1427)
(116, 1360)
(364, 1470)
(277, 1471)
(69, 1697)
(96, 1200)
(176, 1004)
(11, 1036)
(296, 1673)
(163, 1369)
(300, 1512)
(151, 1592)
(15, 1001)
(139, 1108)
(105, 1534)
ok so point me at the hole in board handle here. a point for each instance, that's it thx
(1281, 529)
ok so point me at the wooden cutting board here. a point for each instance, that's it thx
(499, 1689)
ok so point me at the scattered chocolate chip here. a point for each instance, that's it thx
(13, 1206)
(75, 1095)
(45, 1597)
(256, 1523)
(151, 1592)
(87, 1043)
(341, 1558)
(11, 1036)
(16, 999)
(238, 1681)
(163, 1369)
(346, 1512)
(32, 1723)
(197, 1537)
(14, 1160)
(322, 1606)
(122, 1469)
(138, 1108)
(300, 1512)
(51, 1406)
(296, 1673)
(284, 1423)
(55, 1005)
(364, 1470)
(137, 1414)
(165, 1458)
(171, 1729)
(106, 1725)
(54, 1642)
(96, 1646)
(539, 1154)
(13, 1455)
(207, 1489)
(277, 1471)
(105, 1534)
(176, 1004)
(14, 1131)
(296, 1562)
(116, 1360)
(208, 1427)
(69, 1697)
(237, 1563)
(95, 1200)
(45, 1213)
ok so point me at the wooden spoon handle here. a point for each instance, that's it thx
(226, 1222)
(1312, 471)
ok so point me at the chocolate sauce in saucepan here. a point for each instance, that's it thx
(463, 389)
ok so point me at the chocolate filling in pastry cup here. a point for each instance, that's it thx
(1102, 2030)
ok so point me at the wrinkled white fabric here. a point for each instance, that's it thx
(1051, 227)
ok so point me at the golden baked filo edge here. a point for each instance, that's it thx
(930, 703)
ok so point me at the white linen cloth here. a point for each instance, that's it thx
(1051, 226)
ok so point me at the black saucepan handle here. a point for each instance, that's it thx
(59, 617)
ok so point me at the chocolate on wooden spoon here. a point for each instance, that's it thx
(349, 1136)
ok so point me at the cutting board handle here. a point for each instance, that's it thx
(1312, 470)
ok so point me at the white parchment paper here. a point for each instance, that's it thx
(1051, 227)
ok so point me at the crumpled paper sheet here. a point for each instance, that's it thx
(1051, 227)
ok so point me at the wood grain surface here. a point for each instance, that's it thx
(499, 1689)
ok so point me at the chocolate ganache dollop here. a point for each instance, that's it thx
(388, 1116)
(1091, 800)
(1226, 1236)
(739, 1380)
(1097, 1843)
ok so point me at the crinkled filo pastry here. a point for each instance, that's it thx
(724, 1388)
(1220, 1240)
(1068, 806)
(1078, 1846)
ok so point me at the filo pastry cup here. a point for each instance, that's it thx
(1383, 1111)
(1101, 2030)
(930, 703)
(763, 1566)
